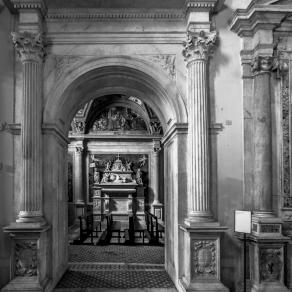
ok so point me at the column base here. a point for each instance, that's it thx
(266, 225)
(200, 217)
(29, 262)
(202, 257)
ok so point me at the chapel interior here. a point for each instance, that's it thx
(145, 145)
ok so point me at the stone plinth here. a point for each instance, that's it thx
(268, 265)
(29, 260)
(202, 259)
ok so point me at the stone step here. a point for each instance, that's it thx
(115, 290)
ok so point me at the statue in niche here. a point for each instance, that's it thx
(138, 177)
(96, 176)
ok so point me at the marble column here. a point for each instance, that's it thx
(30, 49)
(78, 180)
(196, 53)
(156, 205)
(262, 131)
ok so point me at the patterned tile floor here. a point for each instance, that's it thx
(116, 266)
(117, 254)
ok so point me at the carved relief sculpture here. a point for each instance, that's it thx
(270, 264)
(119, 119)
(204, 258)
(26, 258)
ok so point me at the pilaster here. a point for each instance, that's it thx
(259, 61)
(78, 179)
(201, 232)
(157, 207)
(30, 233)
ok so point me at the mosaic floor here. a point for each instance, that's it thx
(115, 267)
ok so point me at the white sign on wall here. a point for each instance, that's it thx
(242, 221)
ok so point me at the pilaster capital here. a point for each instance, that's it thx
(263, 64)
(29, 46)
(199, 46)
(79, 150)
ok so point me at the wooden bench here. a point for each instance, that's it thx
(85, 228)
(113, 227)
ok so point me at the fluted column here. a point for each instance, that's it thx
(78, 175)
(262, 130)
(155, 184)
(196, 53)
(30, 49)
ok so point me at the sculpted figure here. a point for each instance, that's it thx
(105, 178)
(96, 176)
(138, 177)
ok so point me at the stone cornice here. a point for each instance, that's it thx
(15, 5)
(245, 22)
(102, 14)
(209, 5)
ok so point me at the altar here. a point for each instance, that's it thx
(119, 192)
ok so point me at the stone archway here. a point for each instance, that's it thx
(114, 75)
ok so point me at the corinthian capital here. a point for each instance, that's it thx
(199, 45)
(29, 46)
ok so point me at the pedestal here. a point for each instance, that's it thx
(29, 257)
(267, 254)
(202, 258)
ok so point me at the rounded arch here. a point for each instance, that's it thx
(114, 75)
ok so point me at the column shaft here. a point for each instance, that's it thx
(262, 144)
(78, 176)
(29, 47)
(155, 183)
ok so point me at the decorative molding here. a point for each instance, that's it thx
(27, 4)
(201, 4)
(270, 228)
(79, 150)
(166, 62)
(63, 63)
(262, 64)
(25, 258)
(204, 258)
(286, 157)
(156, 127)
(29, 46)
(199, 46)
(53, 129)
(78, 126)
(270, 264)
(101, 14)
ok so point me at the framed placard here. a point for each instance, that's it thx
(242, 221)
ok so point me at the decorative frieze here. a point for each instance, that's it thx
(204, 258)
(199, 46)
(25, 258)
(78, 126)
(270, 264)
(29, 46)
